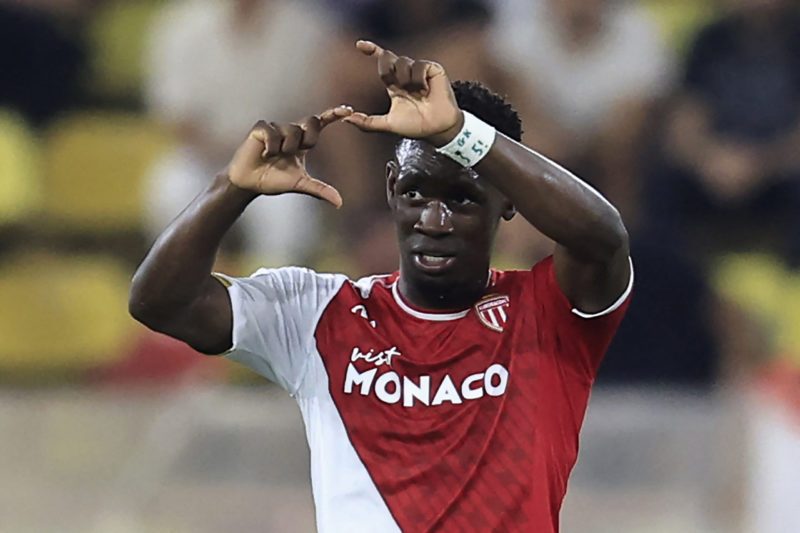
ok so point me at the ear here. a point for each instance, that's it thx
(508, 211)
(392, 170)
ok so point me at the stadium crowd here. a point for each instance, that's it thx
(685, 113)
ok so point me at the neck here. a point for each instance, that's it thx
(435, 295)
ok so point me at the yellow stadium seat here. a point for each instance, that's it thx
(61, 314)
(767, 289)
(117, 33)
(19, 170)
(94, 165)
(754, 280)
(679, 20)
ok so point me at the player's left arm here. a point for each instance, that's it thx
(591, 257)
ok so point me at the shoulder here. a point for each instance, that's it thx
(287, 281)
(299, 277)
(514, 283)
(516, 276)
(365, 286)
(296, 273)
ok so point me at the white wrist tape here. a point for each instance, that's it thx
(472, 143)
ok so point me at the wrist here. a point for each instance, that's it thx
(471, 143)
(224, 186)
(443, 137)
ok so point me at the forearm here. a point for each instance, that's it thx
(176, 271)
(555, 201)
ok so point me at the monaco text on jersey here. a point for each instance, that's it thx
(389, 387)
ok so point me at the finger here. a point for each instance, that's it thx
(368, 47)
(311, 128)
(313, 125)
(255, 143)
(436, 80)
(419, 77)
(292, 137)
(258, 133)
(260, 125)
(314, 187)
(386, 67)
(386, 60)
(270, 135)
(369, 122)
(434, 73)
(402, 71)
(329, 116)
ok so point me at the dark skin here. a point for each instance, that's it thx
(443, 210)
(446, 215)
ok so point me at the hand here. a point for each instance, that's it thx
(423, 105)
(272, 160)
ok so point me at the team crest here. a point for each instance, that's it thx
(492, 310)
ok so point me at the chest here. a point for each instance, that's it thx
(380, 358)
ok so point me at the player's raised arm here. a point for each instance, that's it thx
(591, 257)
(173, 291)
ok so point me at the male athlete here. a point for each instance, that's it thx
(443, 397)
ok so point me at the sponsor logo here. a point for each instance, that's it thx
(391, 388)
(492, 311)
(378, 359)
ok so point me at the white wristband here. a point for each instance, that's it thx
(472, 143)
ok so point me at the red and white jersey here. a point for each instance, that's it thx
(421, 421)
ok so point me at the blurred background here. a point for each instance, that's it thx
(115, 113)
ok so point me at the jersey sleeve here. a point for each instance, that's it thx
(578, 340)
(275, 313)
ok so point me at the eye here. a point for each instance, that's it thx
(463, 200)
(412, 194)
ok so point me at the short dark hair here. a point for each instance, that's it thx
(485, 104)
(488, 106)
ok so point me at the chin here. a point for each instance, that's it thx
(439, 279)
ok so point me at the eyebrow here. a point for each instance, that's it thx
(413, 178)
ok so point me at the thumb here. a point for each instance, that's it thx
(369, 122)
(314, 187)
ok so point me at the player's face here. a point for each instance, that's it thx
(446, 218)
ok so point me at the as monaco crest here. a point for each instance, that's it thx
(492, 310)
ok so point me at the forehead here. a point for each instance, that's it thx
(419, 160)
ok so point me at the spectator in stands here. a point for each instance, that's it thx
(595, 72)
(730, 174)
(667, 337)
(40, 64)
(213, 66)
(591, 70)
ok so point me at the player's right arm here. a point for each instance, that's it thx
(173, 290)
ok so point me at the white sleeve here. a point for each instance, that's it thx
(275, 314)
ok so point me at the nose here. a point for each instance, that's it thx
(435, 220)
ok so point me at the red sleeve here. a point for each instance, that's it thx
(578, 343)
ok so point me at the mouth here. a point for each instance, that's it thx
(433, 264)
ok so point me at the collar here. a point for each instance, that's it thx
(428, 314)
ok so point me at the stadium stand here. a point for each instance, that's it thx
(94, 166)
(116, 36)
(19, 170)
(68, 315)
